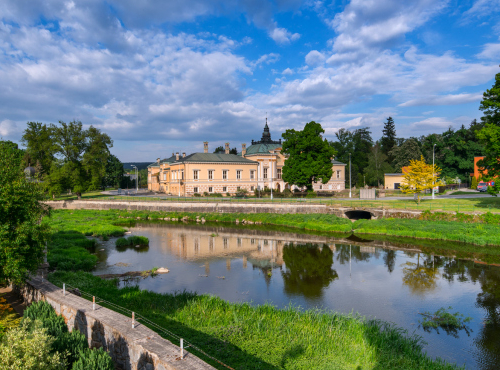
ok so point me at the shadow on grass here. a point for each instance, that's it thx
(159, 308)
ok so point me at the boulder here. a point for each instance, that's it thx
(162, 270)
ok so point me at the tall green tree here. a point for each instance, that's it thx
(377, 166)
(114, 172)
(388, 140)
(22, 235)
(96, 156)
(38, 139)
(409, 150)
(490, 105)
(309, 156)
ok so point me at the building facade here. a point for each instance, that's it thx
(257, 167)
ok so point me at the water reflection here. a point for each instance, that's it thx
(386, 280)
(308, 269)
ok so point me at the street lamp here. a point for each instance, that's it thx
(433, 147)
(350, 195)
(136, 179)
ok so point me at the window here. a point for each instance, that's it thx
(224, 189)
(279, 173)
(252, 175)
(210, 189)
(195, 174)
(265, 173)
(182, 175)
(321, 187)
(196, 245)
(164, 176)
(251, 188)
(252, 241)
(238, 188)
(338, 174)
(210, 174)
(238, 240)
(224, 175)
(225, 241)
(238, 175)
(195, 190)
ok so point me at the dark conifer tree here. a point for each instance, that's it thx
(388, 140)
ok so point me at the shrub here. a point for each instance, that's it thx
(47, 316)
(72, 343)
(132, 241)
(228, 194)
(217, 195)
(94, 359)
(287, 193)
(29, 347)
(206, 194)
(311, 194)
(196, 195)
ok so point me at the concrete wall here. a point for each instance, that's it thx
(131, 349)
(213, 207)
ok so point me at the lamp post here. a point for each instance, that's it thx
(433, 147)
(350, 195)
(136, 180)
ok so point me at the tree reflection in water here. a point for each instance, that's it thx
(308, 269)
(420, 277)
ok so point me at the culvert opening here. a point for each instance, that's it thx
(358, 215)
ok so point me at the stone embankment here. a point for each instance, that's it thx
(137, 348)
(225, 207)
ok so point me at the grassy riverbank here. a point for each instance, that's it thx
(263, 337)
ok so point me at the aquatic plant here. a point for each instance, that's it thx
(443, 318)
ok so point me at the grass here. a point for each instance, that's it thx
(132, 241)
(263, 337)
(71, 251)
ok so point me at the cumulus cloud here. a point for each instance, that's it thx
(314, 58)
(490, 51)
(282, 36)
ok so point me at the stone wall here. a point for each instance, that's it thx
(131, 349)
(226, 207)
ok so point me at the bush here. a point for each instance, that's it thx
(228, 194)
(287, 193)
(196, 195)
(311, 194)
(72, 343)
(217, 195)
(29, 347)
(94, 359)
(50, 320)
(206, 194)
(132, 241)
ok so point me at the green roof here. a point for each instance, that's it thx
(215, 157)
(337, 163)
(262, 148)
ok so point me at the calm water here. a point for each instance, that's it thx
(376, 279)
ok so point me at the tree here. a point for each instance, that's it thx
(403, 154)
(114, 172)
(38, 139)
(420, 176)
(309, 156)
(80, 158)
(490, 137)
(22, 236)
(377, 166)
(388, 140)
(473, 184)
(220, 149)
(490, 105)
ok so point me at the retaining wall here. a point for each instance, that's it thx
(131, 349)
(225, 207)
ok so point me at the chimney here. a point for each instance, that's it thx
(227, 148)
(205, 147)
(158, 160)
(177, 156)
(184, 155)
(243, 149)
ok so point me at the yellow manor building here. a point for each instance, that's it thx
(258, 167)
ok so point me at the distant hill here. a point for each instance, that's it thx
(140, 165)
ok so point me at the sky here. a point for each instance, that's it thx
(164, 76)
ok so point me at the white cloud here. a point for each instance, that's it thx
(282, 36)
(287, 71)
(315, 58)
(8, 130)
(450, 99)
(490, 51)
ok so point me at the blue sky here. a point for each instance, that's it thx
(164, 76)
